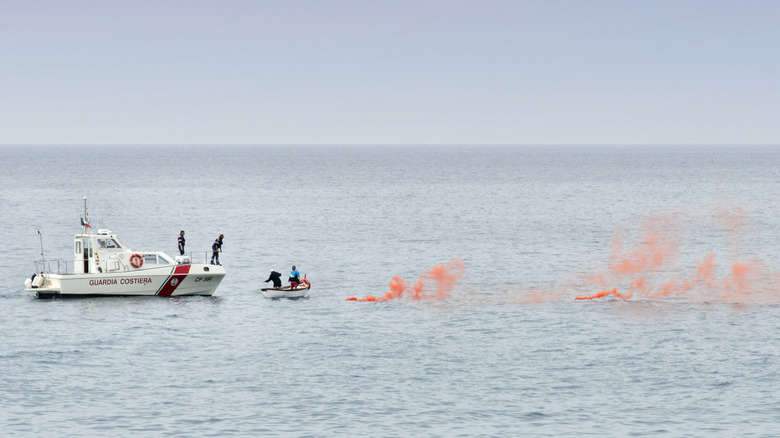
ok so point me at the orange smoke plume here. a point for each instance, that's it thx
(673, 254)
(603, 294)
(651, 253)
(637, 286)
(443, 277)
(740, 279)
(653, 257)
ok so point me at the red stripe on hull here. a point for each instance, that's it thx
(179, 274)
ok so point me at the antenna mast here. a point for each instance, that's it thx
(86, 218)
(41, 236)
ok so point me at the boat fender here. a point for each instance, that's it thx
(28, 283)
(37, 282)
(137, 260)
(182, 260)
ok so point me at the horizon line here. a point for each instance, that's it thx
(385, 144)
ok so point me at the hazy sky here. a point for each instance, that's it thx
(389, 72)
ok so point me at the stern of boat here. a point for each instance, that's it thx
(45, 286)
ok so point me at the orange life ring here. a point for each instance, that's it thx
(306, 282)
(137, 260)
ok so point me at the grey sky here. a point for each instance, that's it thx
(389, 72)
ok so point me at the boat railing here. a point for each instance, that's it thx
(54, 266)
(124, 266)
(193, 257)
(64, 267)
(201, 256)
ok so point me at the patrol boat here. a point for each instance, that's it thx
(103, 266)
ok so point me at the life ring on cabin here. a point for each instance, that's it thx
(137, 260)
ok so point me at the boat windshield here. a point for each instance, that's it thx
(109, 243)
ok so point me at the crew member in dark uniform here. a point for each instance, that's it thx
(181, 243)
(276, 278)
(217, 248)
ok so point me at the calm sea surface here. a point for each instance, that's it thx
(506, 351)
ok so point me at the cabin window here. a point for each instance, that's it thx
(154, 259)
(78, 247)
(108, 243)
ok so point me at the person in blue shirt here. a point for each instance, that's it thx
(295, 278)
(216, 248)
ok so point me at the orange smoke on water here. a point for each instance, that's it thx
(603, 294)
(397, 288)
(637, 285)
(652, 253)
(742, 276)
(443, 278)
(651, 265)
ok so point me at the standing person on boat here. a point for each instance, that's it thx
(181, 242)
(276, 278)
(295, 278)
(217, 248)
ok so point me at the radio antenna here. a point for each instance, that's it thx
(43, 259)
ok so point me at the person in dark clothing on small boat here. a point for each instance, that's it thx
(276, 278)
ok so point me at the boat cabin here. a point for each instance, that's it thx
(104, 252)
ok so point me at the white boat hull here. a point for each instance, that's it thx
(286, 292)
(176, 280)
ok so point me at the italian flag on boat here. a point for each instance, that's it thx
(85, 223)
